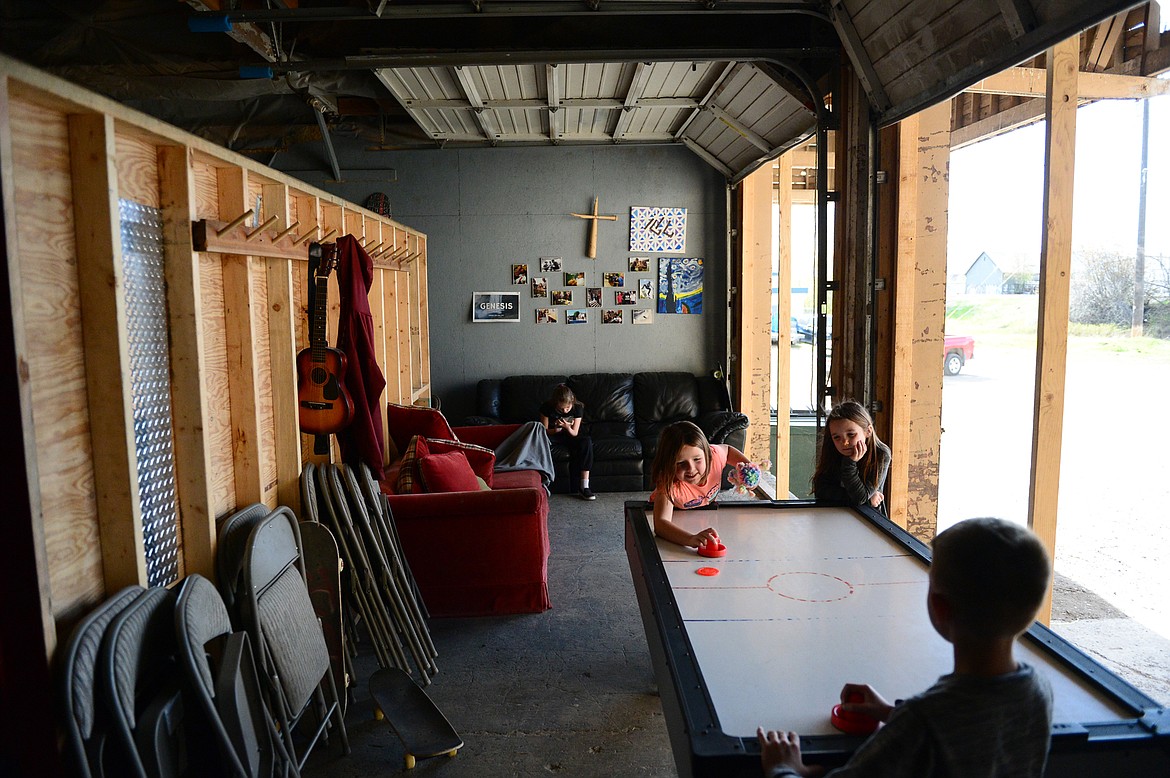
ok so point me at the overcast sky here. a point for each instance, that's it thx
(997, 197)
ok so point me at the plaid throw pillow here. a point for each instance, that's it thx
(409, 481)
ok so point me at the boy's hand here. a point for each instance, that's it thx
(872, 703)
(782, 750)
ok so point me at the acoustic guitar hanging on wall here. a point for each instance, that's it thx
(324, 405)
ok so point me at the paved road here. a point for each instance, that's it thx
(1112, 537)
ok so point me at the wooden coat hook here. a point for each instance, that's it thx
(267, 223)
(286, 231)
(236, 222)
(304, 238)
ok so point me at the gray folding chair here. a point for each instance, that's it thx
(86, 722)
(231, 543)
(138, 683)
(237, 733)
(279, 615)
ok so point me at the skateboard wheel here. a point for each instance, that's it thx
(451, 754)
(410, 761)
(378, 714)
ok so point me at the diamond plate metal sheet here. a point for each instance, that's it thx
(149, 356)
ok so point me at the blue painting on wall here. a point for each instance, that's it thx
(680, 285)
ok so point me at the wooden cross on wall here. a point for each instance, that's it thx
(591, 247)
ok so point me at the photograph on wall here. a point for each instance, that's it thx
(546, 316)
(550, 264)
(519, 275)
(611, 316)
(495, 306)
(625, 298)
(593, 297)
(639, 264)
(576, 316)
(562, 297)
(658, 228)
(645, 289)
(680, 285)
(614, 279)
(539, 286)
(574, 279)
(640, 316)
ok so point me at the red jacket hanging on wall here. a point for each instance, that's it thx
(361, 441)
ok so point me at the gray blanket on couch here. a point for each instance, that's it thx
(527, 449)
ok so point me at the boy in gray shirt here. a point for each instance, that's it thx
(992, 716)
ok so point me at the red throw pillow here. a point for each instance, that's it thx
(482, 460)
(409, 481)
(448, 472)
(406, 421)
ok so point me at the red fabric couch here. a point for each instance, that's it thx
(478, 553)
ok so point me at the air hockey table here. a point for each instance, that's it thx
(809, 597)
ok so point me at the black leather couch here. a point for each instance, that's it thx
(624, 413)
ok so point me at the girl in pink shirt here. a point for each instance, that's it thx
(687, 473)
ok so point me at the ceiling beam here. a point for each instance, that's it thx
(1031, 82)
(556, 118)
(709, 158)
(707, 98)
(633, 95)
(1106, 36)
(855, 48)
(740, 128)
(1019, 16)
(486, 125)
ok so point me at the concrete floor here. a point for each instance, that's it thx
(571, 691)
(566, 692)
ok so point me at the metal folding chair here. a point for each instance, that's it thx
(87, 722)
(236, 732)
(278, 612)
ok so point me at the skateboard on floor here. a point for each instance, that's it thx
(419, 724)
(323, 578)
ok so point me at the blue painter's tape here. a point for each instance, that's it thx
(209, 24)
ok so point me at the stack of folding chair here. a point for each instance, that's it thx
(123, 704)
(379, 586)
(262, 582)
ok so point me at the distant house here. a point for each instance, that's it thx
(1021, 283)
(984, 276)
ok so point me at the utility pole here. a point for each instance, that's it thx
(1139, 268)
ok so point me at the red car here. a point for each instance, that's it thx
(957, 349)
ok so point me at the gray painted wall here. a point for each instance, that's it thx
(485, 209)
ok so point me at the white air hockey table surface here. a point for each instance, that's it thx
(808, 598)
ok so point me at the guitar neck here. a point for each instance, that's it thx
(318, 341)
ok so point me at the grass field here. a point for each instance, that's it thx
(1010, 321)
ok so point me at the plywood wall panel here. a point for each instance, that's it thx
(263, 354)
(206, 189)
(219, 433)
(44, 216)
(136, 161)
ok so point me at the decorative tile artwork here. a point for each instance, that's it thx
(680, 285)
(658, 228)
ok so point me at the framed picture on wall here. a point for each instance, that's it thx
(539, 286)
(593, 297)
(576, 316)
(614, 279)
(680, 285)
(625, 298)
(639, 264)
(610, 316)
(519, 275)
(562, 297)
(546, 316)
(550, 264)
(487, 307)
(645, 289)
(640, 316)
(574, 279)
(658, 228)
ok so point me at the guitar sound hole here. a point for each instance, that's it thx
(319, 375)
